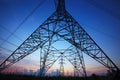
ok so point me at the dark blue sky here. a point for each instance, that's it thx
(100, 18)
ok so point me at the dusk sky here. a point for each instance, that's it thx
(100, 19)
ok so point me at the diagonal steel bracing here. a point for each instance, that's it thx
(60, 25)
(75, 57)
(72, 54)
(72, 32)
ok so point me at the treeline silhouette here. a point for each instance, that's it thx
(29, 77)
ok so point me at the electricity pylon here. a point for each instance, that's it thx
(60, 25)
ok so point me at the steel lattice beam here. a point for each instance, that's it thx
(59, 25)
(72, 32)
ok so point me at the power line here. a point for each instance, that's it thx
(24, 20)
(101, 32)
(97, 5)
(8, 42)
(6, 49)
(94, 3)
(3, 27)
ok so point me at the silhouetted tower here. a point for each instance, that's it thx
(61, 65)
(60, 25)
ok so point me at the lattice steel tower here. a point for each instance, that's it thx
(60, 25)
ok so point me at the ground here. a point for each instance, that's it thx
(26, 77)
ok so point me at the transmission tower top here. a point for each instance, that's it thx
(60, 6)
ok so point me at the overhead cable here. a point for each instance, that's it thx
(97, 5)
(24, 20)
(8, 42)
(101, 32)
(3, 27)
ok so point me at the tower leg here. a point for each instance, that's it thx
(61, 65)
(75, 57)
